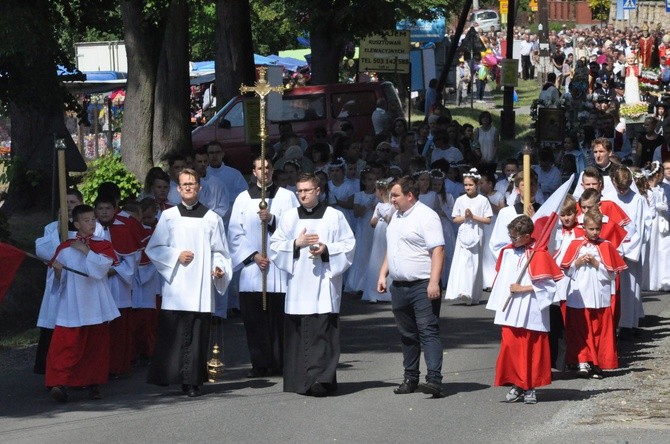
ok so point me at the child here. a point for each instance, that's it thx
(444, 207)
(364, 205)
(146, 288)
(79, 351)
(524, 361)
(379, 221)
(471, 211)
(121, 276)
(591, 263)
(658, 204)
(634, 206)
(497, 201)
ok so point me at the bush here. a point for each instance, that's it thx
(109, 168)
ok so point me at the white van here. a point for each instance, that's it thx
(484, 19)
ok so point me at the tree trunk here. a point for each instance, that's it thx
(171, 128)
(36, 102)
(142, 40)
(327, 51)
(234, 60)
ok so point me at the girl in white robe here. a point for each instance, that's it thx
(658, 204)
(379, 220)
(444, 207)
(635, 207)
(471, 211)
(497, 201)
(364, 205)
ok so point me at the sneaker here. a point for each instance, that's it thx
(408, 386)
(584, 370)
(431, 388)
(59, 393)
(529, 397)
(514, 395)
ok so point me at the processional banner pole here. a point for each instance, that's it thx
(262, 88)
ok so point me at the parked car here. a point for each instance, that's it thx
(485, 18)
(236, 125)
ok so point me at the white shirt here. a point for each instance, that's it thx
(410, 237)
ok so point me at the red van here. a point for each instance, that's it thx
(236, 125)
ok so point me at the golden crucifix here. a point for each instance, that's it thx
(262, 88)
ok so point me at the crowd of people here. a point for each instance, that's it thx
(411, 214)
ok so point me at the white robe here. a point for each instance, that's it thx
(558, 247)
(465, 275)
(634, 206)
(364, 234)
(233, 182)
(189, 287)
(589, 287)
(84, 300)
(664, 242)
(314, 286)
(342, 192)
(121, 284)
(488, 258)
(244, 238)
(527, 310)
(499, 234)
(383, 212)
(658, 204)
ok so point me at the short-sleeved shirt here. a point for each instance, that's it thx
(410, 237)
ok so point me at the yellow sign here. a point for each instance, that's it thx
(532, 4)
(252, 125)
(504, 7)
(387, 52)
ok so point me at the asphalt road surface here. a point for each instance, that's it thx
(365, 409)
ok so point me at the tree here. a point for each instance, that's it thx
(156, 116)
(234, 59)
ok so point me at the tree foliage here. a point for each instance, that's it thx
(600, 9)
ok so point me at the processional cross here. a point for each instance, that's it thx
(262, 88)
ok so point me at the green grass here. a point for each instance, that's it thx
(20, 340)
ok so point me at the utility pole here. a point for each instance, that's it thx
(507, 115)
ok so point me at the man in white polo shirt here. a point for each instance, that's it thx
(414, 258)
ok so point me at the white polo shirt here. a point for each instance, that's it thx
(409, 238)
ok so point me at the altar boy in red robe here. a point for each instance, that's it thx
(79, 351)
(591, 264)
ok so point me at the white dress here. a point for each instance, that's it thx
(364, 234)
(383, 212)
(465, 275)
(664, 240)
(631, 299)
(632, 86)
(650, 271)
(444, 210)
(488, 258)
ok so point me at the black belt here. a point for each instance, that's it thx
(409, 283)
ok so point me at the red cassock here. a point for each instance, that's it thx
(591, 332)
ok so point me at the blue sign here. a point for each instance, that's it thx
(630, 5)
(425, 30)
(667, 5)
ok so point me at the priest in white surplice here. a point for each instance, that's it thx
(190, 251)
(264, 327)
(315, 245)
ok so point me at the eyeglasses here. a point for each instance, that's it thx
(188, 185)
(305, 191)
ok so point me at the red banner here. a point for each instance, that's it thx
(10, 261)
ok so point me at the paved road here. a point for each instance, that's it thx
(365, 410)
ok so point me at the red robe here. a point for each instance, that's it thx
(591, 332)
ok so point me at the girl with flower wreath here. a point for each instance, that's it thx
(471, 212)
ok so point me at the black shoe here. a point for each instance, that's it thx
(185, 388)
(257, 373)
(431, 388)
(59, 393)
(193, 391)
(408, 386)
(318, 390)
(94, 392)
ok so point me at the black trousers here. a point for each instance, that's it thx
(265, 329)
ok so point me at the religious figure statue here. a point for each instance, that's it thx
(632, 85)
(646, 43)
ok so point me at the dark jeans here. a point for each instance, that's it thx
(527, 69)
(416, 317)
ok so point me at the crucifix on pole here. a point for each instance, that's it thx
(262, 88)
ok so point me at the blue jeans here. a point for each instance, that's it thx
(417, 317)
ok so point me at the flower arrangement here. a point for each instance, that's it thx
(633, 112)
(650, 79)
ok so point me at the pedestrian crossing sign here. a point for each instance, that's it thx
(629, 5)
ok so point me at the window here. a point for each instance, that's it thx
(354, 104)
(303, 108)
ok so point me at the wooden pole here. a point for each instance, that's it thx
(62, 190)
(526, 180)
